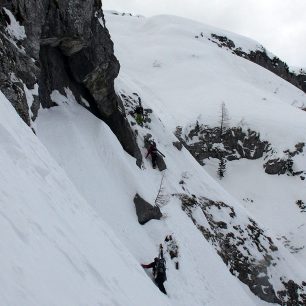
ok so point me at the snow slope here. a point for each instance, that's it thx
(70, 232)
(186, 79)
(108, 179)
(270, 198)
(55, 250)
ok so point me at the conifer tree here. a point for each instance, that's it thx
(162, 197)
(224, 120)
(289, 165)
(222, 167)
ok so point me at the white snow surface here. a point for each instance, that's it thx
(185, 80)
(55, 250)
(108, 179)
(70, 235)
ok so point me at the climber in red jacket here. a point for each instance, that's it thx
(159, 272)
(152, 150)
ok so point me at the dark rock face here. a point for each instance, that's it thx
(261, 58)
(301, 205)
(131, 102)
(302, 80)
(244, 247)
(204, 142)
(145, 211)
(67, 45)
(178, 145)
(16, 70)
(233, 144)
(284, 165)
(161, 163)
(292, 295)
(275, 166)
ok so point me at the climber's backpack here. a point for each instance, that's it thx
(160, 269)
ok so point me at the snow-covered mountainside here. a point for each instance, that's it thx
(55, 249)
(182, 71)
(75, 227)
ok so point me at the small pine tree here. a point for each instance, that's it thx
(275, 61)
(222, 167)
(162, 197)
(224, 120)
(289, 165)
(197, 126)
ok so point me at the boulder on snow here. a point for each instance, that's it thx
(178, 145)
(161, 163)
(275, 166)
(145, 211)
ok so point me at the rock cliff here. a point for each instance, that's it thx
(49, 45)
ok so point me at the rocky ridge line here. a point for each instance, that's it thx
(235, 143)
(261, 58)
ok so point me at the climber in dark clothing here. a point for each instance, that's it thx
(159, 272)
(139, 113)
(152, 150)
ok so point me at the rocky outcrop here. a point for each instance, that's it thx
(66, 45)
(260, 57)
(178, 145)
(275, 166)
(293, 294)
(285, 164)
(17, 69)
(301, 77)
(235, 143)
(204, 142)
(172, 248)
(244, 247)
(130, 103)
(301, 205)
(161, 165)
(145, 211)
